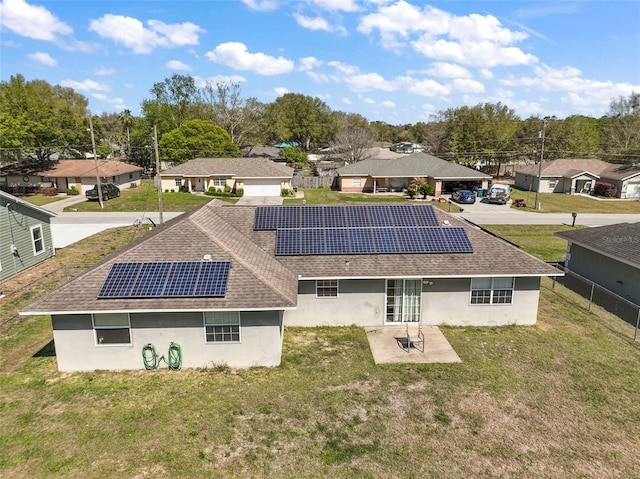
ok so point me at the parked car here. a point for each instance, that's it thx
(499, 194)
(464, 196)
(108, 191)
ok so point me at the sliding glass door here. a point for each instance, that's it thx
(403, 300)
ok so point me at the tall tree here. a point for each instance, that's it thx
(621, 129)
(578, 136)
(241, 118)
(175, 100)
(354, 139)
(127, 120)
(197, 138)
(303, 119)
(38, 119)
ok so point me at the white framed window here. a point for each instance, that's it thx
(492, 290)
(222, 326)
(553, 182)
(403, 300)
(357, 181)
(178, 181)
(219, 181)
(37, 239)
(326, 288)
(112, 329)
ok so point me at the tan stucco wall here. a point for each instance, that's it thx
(261, 342)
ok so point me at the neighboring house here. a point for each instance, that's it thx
(608, 256)
(397, 174)
(268, 267)
(25, 235)
(373, 153)
(269, 152)
(256, 176)
(407, 147)
(66, 174)
(579, 176)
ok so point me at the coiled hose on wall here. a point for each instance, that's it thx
(175, 356)
(149, 356)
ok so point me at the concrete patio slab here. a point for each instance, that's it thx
(386, 346)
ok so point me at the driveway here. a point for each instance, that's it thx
(259, 200)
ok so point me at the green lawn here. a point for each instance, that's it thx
(561, 203)
(41, 200)
(559, 399)
(145, 198)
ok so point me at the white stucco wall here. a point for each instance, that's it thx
(260, 342)
(443, 302)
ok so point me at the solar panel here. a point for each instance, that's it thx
(266, 218)
(166, 279)
(457, 239)
(337, 241)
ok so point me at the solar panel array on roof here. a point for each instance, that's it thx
(166, 279)
(343, 216)
(371, 240)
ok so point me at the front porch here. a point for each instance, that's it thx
(386, 346)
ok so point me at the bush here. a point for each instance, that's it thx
(286, 192)
(425, 189)
(412, 192)
(227, 189)
(72, 191)
(239, 192)
(607, 190)
(48, 191)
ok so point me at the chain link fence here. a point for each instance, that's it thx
(626, 310)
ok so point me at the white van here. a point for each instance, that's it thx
(499, 194)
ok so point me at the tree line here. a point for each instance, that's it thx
(38, 119)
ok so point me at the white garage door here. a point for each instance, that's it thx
(262, 188)
(633, 190)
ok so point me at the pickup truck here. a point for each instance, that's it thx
(108, 191)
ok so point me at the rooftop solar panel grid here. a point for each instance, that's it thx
(213, 279)
(457, 240)
(119, 280)
(182, 279)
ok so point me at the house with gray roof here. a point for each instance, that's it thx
(256, 176)
(25, 235)
(223, 281)
(397, 174)
(608, 256)
(579, 176)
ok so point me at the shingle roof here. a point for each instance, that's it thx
(9, 198)
(259, 279)
(620, 241)
(564, 166)
(236, 167)
(418, 165)
(80, 168)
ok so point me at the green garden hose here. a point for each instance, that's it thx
(175, 356)
(149, 356)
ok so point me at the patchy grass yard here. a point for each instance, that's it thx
(538, 240)
(561, 203)
(42, 200)
(559, 399)
(145, 198)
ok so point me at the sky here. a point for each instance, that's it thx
(395, 61)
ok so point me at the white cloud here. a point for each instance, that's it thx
(261, 5)
(317, 23)
(309, 63)
(280, 91)
(43, 58)
(31, 21)
(133, 34)
(117, 104)
(448, 70)
(236, 56)
(177, 65)
(337, 5)
(85, 85)
(467, 85)
(104, 71)
(347, 101)
(388, 104)
(487, 74)
(370, 101)
(214, 80)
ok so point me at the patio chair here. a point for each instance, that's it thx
(415, 337)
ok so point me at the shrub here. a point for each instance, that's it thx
(239, 192)
(227, 189)
(286, 192)
(607, 190)
(72, 191)
(412, 192)
(425, 189)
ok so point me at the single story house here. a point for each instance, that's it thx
(65, 174)
(25, 235)
(608, 256)
(397, 174)
(223, 281)
(256, 176)
(579, 176)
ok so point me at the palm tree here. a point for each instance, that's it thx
(127, 122)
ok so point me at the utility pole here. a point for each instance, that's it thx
(540, 135)
(95, 162)
(158, 181)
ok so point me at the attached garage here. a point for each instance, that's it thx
(262, 187)
(633, 190)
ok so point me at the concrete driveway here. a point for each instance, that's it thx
(259, 200)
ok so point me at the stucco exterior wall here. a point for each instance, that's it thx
(260, 342)
(443, 302)
(621, 278)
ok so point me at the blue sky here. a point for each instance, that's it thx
(397, 61)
